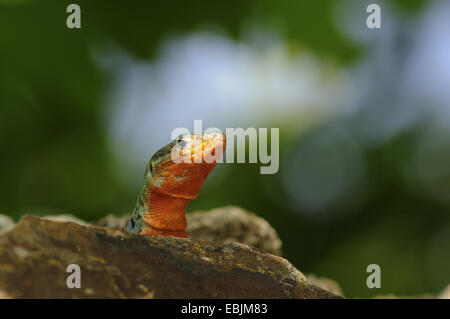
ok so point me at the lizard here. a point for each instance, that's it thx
(173, 177)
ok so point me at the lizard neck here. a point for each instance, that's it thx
(165, 214)
(157, 213)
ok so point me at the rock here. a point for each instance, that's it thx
(6, 223)
(223, 225)
(325, 283)
(66, 218)
(35, 254)
(445, 294)
(4, 295)
(233, 224)
(114, 222)
(393, 296)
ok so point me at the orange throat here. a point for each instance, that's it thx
(166, 215)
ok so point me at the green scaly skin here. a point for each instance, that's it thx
(136, 222)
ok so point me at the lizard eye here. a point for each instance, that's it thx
(181, 142)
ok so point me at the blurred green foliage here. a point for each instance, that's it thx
(55, 157)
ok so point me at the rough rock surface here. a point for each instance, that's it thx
(325, 283)
(445, 294)
(113, 221)
(6, 223)
(34, 256)
(66, 218)
(230, 224)
(222, 225)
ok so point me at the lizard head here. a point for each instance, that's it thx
(180, 168)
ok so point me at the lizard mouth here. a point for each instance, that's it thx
(198, 148)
